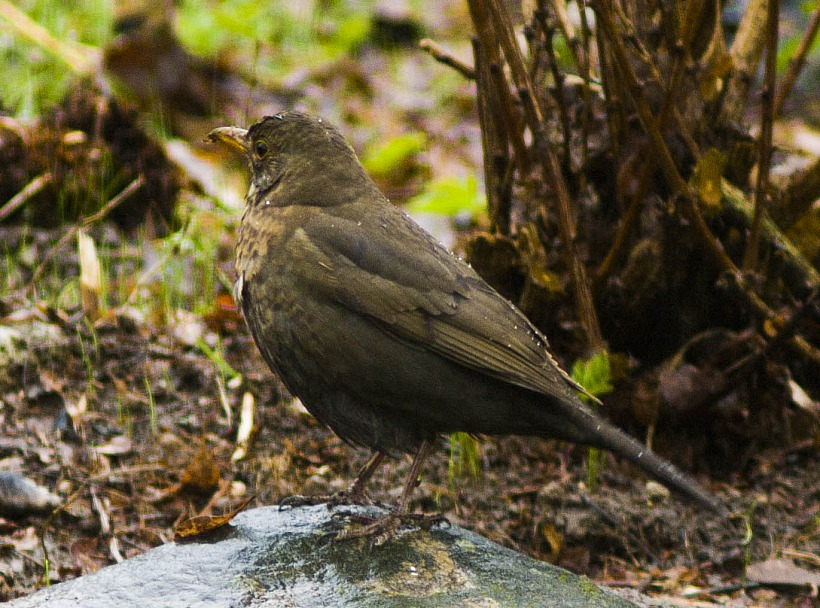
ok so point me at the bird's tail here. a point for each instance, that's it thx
(586, 427)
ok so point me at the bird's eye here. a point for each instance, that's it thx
(260, 149)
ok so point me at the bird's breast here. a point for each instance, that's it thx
(263, 234)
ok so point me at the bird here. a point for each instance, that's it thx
(387, 337)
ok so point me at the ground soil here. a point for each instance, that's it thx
(130, 463)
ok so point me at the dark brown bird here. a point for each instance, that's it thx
(386, 337)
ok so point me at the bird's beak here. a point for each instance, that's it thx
(234, 137)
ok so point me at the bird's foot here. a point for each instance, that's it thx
(379, 530)
(345, 497)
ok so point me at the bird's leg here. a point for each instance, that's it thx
(356, 492)
(354, 495)
(382, 529)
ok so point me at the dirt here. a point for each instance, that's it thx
(128, 425)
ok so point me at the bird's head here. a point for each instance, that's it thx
(295, 158)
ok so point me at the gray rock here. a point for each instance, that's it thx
(266, 557)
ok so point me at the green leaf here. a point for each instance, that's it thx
(350, 34)
(450, 196)
(382, 158)
(38, 76)
(594, 374)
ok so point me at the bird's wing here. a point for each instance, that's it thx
(424, 295)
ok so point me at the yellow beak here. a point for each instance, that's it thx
(234, 137)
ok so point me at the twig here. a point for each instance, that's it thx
(798, 195)
(586, 116)
(547, 30)
(742, 366)
(651, 127)
(30, 189)
(643, 54)
(787, 334)
(114, 202)
(708, 239)
(798, 60)
(658, 146)
(615, 118)
(628, 221)
(750, 256)
(442, 55)
(84, 222)
(551, 170)
(632, 214)
(799, 275)
(681, 49)
(511, 118)
(745, 52)
(107, 475)
(47, 524)
(224, 488)
(617, 524)
(82, 63)
(494, 142)
(508, 115)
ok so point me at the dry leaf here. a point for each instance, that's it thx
(202, 474)
(90, 275)
(554, 538)
(117, 446)
(202, 524)
(707, 178)
(243, 435)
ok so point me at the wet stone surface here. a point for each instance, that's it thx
(268, 557)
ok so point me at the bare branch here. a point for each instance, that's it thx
(549, 165)
(797, 62)
(750, 257)
(746, 51)
(442, 55)
(19, 199)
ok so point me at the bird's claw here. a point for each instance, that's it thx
(343, 498)
(298, 500)
(379, 530)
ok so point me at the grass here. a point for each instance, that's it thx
(124, 417)
(189, 270)
(12, 273)
(595, 375)
(465, 457)
(221, 365)
(44, 75)
(152, 408)
(331, 30)
(244, 28)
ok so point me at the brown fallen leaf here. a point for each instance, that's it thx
(203, 524)
(554, 539)
(224, 316)
(202, 474)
